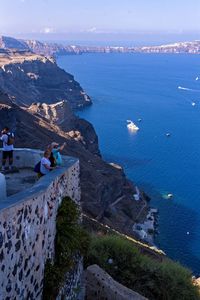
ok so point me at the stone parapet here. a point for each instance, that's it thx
(100, 285)
(28, 227)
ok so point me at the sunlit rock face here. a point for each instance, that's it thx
(30, 78)
(7, 42)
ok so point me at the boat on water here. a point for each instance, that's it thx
(169, 196)
(132, 126)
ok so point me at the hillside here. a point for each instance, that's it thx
(101, 183)
(32, 78)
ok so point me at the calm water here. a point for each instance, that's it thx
(133, 86)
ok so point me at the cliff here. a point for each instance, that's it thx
(106, 192)
(54, 49)
(30, 86)
(32, 78)
(7, 42)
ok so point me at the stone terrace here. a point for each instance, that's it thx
(19, 181)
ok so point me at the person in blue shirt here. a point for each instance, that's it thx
(56, 152)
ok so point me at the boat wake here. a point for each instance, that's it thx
(187, 89)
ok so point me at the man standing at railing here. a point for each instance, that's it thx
(7, 138)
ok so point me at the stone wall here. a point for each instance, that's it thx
(73, 287)
(100, 285)
(24, 157)
(28, 228)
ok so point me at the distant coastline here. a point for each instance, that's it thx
(57, 49)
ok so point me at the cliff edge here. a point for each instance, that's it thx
(107, 195)
(34, 78)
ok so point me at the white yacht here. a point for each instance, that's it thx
(132, 126)
(169, 196)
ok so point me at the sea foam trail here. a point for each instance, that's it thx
(187, 89)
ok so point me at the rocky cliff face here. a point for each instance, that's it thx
(61, 115)
(39, 81)
(107, 195)
(49, 49)
(12, 43)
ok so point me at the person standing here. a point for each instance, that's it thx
(7, 138)
(56, 152)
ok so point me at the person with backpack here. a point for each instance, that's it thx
(45, 164)
(7, 138)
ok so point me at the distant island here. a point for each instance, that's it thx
(54, 49)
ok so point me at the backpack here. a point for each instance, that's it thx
(11, 139)
(37, 167)
(52, 160)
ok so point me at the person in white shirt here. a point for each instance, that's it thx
(45, 165)
(8, 140)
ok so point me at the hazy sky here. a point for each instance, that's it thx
(95, 18)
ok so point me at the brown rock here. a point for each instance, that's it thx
(33, 78)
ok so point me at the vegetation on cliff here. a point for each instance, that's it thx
(71, 241)
(151, 278)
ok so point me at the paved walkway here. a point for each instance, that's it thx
(18, 181)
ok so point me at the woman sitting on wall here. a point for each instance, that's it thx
(45, 164)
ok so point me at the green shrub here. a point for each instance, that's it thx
(53, 279)
(155, 280)
(71, 241)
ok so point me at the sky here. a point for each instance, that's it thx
(100, 19)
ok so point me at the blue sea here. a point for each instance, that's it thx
(164, 91)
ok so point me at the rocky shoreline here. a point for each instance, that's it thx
(147, 230)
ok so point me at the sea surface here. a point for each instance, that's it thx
(160, 90)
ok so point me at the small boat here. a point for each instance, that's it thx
(132, 126)
(139, 120)
(193, 103)
(197, 78)
(169, 195)
(168, 134)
